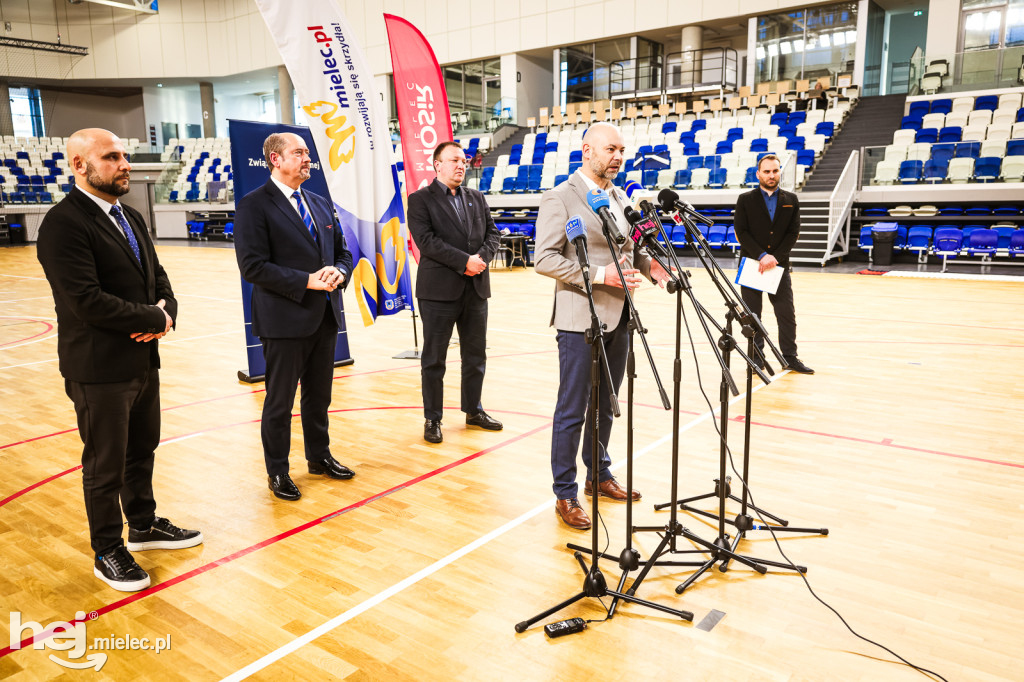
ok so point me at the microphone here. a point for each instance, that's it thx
(576, 232)
(599, 202)
(670, 201)
(632, 187)
(644, 231)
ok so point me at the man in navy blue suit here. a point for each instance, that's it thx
(292, 250)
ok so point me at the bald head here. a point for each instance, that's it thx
(99, 162)
(602, 153)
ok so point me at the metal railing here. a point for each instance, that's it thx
(983, 69)
(840, 205)
(715, 68)
(787, 174)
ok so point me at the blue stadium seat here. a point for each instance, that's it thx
(1020, 115)
(935, 171)
(716, 180)
(967, 230)
(717, 235)
(875, 211)
(986, 169)
(866, 241)
(1006, 209)
(919, 238)
(734, 134)
(805, 157)
(573, 167)
(485, 183)
(929, 135)
(901, 237)
(1015, 147)
(986, 102)
(682, 180)
(713, 161)
(968, 149)
(910, 123)
(686, 137)
(795, 143)
(679, 238)
(750, 179)
(787, 131)
(950, 134)
(723, 147)
(699, 124)
(650, 179)
(508, 185)
(943, 152)
(759, 144)
(229, 230)
(1017, 243)
(731, 240)
(780, 119)
(576, 156)
(694, 162)
(940, 106)
(173, 195)
(919, 109)
(797, 117)
(910, 171)
(826, 128)
(691, 149)
(978, 209)
(668, 127)
(947, 241)
(559, 179)
(983, 242)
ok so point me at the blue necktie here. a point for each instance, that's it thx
(306, 218)
(128, 233)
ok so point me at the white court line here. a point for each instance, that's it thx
(27, 364)
(19, 300)
(3, 274)
(163, 343)
(193, 338)
(212, 298)
(380, 597)
(44, 338)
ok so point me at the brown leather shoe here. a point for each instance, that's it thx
(611, 489)
(572, 514)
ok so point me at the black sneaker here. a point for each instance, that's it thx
(162, 535)
(118, 569)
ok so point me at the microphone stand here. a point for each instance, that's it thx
(629, 558)
(719, 549)
(736, 311)
(594, 583)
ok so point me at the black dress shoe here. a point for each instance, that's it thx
(283, 487)
(797, 366)
(331, 467)
(432, 431)
(484, 421)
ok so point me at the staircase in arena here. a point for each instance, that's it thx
(871, 124)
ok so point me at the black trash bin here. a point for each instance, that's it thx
(17, 233)
(883, 236)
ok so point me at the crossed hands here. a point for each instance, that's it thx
(146, 337)
(327, 278)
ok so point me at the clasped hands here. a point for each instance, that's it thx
(631, 277)
(146, 337)
(327, 278)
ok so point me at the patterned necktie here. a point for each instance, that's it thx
(128, 233)
(306, 218)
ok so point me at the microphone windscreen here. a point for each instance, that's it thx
(575, 228)
(632, 187)
(598, 199)
(667, 198)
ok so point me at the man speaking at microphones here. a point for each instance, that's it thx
(556, 256)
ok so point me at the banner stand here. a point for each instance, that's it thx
(413, 354)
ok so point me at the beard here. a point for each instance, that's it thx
(110, 186)
(602, 170)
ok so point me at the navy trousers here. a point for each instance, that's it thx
(573, 411)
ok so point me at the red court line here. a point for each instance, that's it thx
(93, 615)
(48, 326)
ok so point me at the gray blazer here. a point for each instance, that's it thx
(555, 256)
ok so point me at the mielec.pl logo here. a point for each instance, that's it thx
(71, 637)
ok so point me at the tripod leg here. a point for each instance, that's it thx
(682, 503)
(521, 627)
(685, 615)
(700, 571)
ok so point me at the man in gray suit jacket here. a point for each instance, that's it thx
(555, 256)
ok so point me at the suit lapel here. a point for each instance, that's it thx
(441, 194)
(106, 224)
(291, 213)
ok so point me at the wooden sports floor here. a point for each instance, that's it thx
(906, 445)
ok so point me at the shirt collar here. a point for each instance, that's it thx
(591, 185)
(288, 191)
(766, 195)
(448, 190)
(103, 204)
